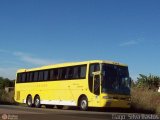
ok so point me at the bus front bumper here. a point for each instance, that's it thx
(115, 103)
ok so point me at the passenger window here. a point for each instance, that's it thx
(46, 75)
(23, 77)
(35, 76)
(76, 73)
(70, 73)
(82, 72)
(62, 73)
(27, 79)
(51, 74)
(54, 74)
(31, 77)
(19, 77)
(40, 78)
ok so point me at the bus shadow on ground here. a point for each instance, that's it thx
(94, 109)
(110, 110)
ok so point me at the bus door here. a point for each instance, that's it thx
(95, 83)
(96, 89)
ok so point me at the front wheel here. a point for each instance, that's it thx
(83, 103)
(37, 102)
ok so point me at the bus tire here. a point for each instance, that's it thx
(37, 102)
(29, 101)
(59, 106)
(83, 103)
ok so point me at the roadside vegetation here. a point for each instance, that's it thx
(5, 82)
(6, 97)
(144, 93)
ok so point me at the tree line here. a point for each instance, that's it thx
(5, 82)
(148, 81)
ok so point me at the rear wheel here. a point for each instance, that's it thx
(37, 102)
(83, 104)
(29, 101)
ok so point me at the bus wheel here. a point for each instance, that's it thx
(59, 106)
(37, 102)
(83, 104)
(29, 101)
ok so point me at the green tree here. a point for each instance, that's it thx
(2, 83)
(133, 83)
(5, 82)
(151, 81)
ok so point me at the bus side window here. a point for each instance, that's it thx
(35, 76)
(40, 77)
(61, 73)
(31, 77)
(83, 72)
(69, 73)
(19, 77)
(64, 73)
(23, 77)
(28, 76)
(53, 74)
(75, 72)
(46, 75)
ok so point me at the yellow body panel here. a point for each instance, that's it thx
(65, 90)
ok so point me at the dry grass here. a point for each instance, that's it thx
(145, 100)
(142, 100)
(7, 98)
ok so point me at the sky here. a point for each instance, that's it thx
(34, 33)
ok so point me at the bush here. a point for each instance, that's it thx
(145, 100)
(7, 98)
(150, 82)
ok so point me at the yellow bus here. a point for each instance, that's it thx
(95, 83)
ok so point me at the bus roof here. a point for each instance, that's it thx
(71, 64)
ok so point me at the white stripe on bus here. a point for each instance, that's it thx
(57, 102)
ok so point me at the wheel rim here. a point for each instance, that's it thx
(37, 101)
(29, 101)
(83, 104)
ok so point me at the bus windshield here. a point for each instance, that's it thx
(115, 79)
